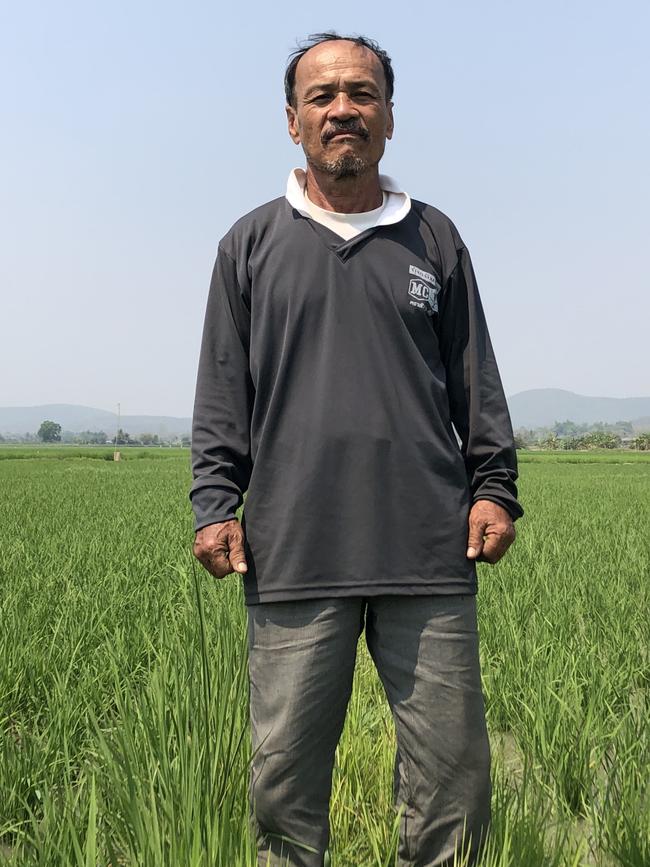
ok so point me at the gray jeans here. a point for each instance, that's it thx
(301, 663)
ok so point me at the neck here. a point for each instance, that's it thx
(351, 195)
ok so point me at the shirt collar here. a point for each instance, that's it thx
(400, 207)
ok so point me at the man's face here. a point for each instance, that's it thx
(341, 116)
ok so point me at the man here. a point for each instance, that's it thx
(344, 341)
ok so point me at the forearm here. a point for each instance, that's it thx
(221, 454)
(477, 403)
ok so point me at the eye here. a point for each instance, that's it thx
(321, 98)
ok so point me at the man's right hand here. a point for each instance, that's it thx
(220, 548)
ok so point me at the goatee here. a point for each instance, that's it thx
(345, 166)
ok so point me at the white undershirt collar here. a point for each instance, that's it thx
(396, 205)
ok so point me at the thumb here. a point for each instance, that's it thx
(475, 541)
(237, 557)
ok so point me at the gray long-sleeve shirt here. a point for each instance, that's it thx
(329, 378)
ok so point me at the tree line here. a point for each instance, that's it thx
(571, 436)
(52, 432)
(567, 435)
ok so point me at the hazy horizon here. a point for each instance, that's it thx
(134, 411)
(137, 134)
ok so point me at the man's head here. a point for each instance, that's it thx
(339, 107)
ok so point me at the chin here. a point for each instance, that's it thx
(346, 166)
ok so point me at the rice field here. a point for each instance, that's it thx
(123, 690)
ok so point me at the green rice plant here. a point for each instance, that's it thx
(123, 691)
(524, 828)
(365, 826)
(624, 806)
(58, 452)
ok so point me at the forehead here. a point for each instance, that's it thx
(338, 58)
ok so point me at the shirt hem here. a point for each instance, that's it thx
(291, 594)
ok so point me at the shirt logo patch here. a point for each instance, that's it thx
(423, 289)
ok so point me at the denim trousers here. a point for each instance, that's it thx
(301, 663)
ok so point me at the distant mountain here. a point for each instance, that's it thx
(542, 407)
(27, 419)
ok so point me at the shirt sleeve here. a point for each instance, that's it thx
(221, 448)
(478, 407)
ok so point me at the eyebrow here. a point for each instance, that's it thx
(360, 82)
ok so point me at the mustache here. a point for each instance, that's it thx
(352, 126)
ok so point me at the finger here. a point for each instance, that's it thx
(234, 541)
(219, 563)
(215, 560)
(496, 544)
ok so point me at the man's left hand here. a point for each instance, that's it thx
(491, 532)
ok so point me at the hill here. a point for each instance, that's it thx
(542, 407)
(536, 408)
(27, 419)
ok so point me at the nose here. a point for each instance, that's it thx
(342, 107)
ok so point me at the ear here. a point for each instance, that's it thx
(391, 121)
(292, 121)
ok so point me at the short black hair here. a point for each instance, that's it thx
(330, 36)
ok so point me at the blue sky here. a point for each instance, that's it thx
(136, 133)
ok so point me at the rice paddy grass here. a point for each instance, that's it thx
(123, 691)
